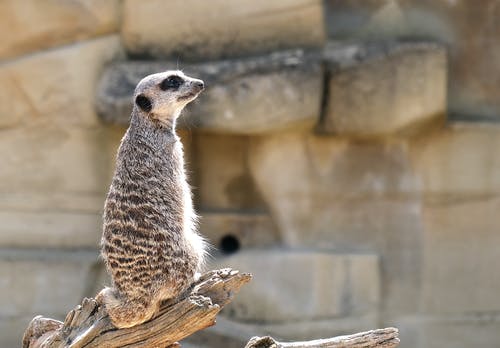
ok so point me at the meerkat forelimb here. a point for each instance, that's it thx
(150, 244)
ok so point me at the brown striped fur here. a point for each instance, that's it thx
(150, 245)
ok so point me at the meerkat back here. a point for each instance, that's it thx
(150, 245)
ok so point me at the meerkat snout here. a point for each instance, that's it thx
(194, 87)
(200, 85)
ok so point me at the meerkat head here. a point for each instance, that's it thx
(162, 96)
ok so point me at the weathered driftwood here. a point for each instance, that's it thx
(385, 338)
(88, 326)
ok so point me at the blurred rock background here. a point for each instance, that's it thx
(345, 152)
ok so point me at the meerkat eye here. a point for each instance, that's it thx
(171, 82)
(144, 103)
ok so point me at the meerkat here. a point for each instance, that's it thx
(150, 245)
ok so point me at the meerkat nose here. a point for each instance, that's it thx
(200, 85)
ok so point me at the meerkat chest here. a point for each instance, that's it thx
(151, 181)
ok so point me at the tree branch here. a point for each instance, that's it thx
(386, 338)
(88, 326)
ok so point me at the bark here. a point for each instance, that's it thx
(88, 326)
(386, 338)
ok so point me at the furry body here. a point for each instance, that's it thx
(149, 244)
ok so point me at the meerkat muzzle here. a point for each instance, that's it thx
(196, 87)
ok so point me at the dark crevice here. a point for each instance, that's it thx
(229, 244)
(324, 99)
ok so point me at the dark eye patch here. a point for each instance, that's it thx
(171, 82)
(143, 102)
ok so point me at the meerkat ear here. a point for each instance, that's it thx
(144, 103)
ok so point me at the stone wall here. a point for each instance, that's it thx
(470, 32)
(344, 152)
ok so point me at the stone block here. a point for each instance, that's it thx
(48, 159)
(460, 256)
(196, 30)
(459, 169)
(31, 25)
(462, 26)
(384, 89)
(56, 86)
(53, 185)
(357, 196)
(36, 282)
(221, 176)
(460, 332)
(461, 160)
(12, 329)
(347, 169)
(322, 172)
(9, 121)
(38, 201)
(261, 103)
(230, 232)
(244, 96)
(291, 286)
(50, 229)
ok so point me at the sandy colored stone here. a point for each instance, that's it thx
(8, 121)
(40, 201)
(221, 174)
(12, 329)
(220, 171)
(461, 160)
(321, 171)
(50, 230)
(480, 330)
(460, 256)
(53, 185)
(438, 331)
(41, 282)
(50, 159)
(400, 89)
(332, 193)
(262, 104)
(29, 25)
(245, 96)
(251, 230)
(325, 176)
(56, 86)
(196, 30)
(291, 286)
(467, 30)
(459, 169)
